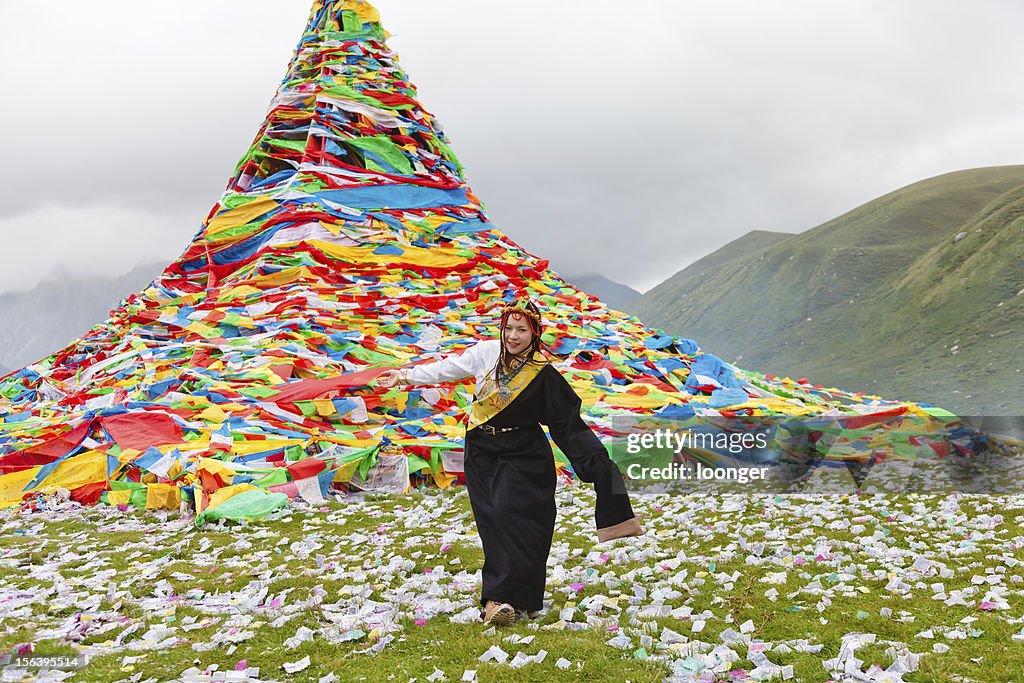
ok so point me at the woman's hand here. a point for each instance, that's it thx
(390, 378)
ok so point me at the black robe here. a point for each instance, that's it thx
(510, 477)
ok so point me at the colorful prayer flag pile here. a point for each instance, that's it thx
(347, 240)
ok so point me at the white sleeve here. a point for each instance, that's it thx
(470, 363)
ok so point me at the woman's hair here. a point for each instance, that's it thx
(527, 309)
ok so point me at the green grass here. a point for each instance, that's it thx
(835, 577)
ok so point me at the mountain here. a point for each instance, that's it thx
(615, 294)
(667, 295)
(47, 317)
(887, 298)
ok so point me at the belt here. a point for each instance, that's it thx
(488, 429)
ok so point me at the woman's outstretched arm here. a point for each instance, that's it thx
(449, 369)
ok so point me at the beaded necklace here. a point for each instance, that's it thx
(504, 393)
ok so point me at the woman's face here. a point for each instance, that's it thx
(517, 335)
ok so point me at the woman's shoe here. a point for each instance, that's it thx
(631, 527)
(523, 614)
(499, 613)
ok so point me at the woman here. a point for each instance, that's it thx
(509, 465)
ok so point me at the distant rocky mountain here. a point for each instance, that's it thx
(916, 295)
(42, 320)
(614, 294)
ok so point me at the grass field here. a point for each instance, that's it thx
(383, 588)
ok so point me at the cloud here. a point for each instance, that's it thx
(625, 138)
(100, 240)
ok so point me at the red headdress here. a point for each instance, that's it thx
(525, 308)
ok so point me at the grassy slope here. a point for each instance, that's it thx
(888, 294)
(753, 241)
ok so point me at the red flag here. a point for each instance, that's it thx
(307, 389)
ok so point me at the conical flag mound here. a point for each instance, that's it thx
(346, 240)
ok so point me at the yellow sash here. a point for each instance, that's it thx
(492, 399)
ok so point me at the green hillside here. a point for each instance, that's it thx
(753, 241)
(880, 299)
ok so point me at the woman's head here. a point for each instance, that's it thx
(520, 328)
(517, 333)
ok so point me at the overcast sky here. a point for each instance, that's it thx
(626, 138)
